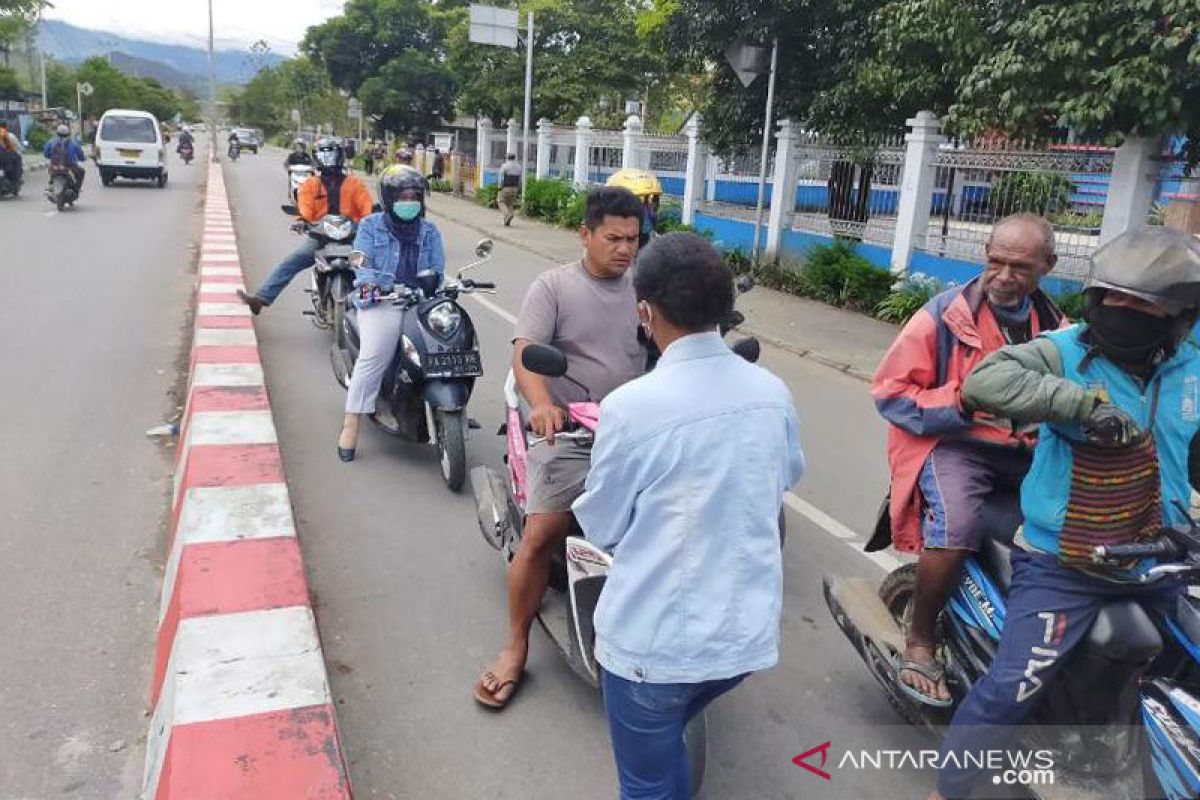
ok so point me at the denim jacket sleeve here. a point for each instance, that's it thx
(368, 241)
(435, 259)
(606, 505)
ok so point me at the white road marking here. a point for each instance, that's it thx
(793, 501)
(225, 336)
(53, 213)
(231, 427)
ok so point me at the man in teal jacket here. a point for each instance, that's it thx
(1118, 399)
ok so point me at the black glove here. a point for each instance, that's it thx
(1109, 426)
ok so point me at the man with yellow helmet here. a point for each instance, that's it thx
(645, 187)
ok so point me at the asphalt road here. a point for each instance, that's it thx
(410, 601)
(97, 301)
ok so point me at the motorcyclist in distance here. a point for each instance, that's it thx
(299, 154)
(67, 150)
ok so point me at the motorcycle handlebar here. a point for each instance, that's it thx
(1160, 548)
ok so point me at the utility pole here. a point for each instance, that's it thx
(212, 86)
(528, 101)
(766, 146)
(42, 55)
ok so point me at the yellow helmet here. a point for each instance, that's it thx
(642, 183)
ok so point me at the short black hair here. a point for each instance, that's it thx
(686, 278)
(611, 201)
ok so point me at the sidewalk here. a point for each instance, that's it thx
(848, 342)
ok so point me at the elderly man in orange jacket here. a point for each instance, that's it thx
(331, 191)
(947, 466)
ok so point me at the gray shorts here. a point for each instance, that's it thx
(556, 475)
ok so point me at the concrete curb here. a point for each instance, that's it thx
(242, 708)
(813, 355)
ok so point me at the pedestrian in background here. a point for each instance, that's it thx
(439, 165)
(688, 474)
(510, 186)
(369, 158)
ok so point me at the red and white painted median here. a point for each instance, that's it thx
(242, 708)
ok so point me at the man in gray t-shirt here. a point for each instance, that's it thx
(510, 187)
(587, 309)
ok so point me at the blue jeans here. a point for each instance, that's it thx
(646, 722)
(301, 259)
(1050, 609)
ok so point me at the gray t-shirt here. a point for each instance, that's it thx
(593, 321)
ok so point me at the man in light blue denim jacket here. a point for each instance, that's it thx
(689, 470)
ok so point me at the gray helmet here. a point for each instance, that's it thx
(63, 130)
(329, 153)
(1159, 265)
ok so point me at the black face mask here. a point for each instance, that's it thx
(1130, 336)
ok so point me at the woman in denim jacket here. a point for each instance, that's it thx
(398, 245)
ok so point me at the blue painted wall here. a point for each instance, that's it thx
(730, 234)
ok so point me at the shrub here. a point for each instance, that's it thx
(908, 296)
(486, 196)
(839, 276)
(1071, 304)
(570, 214)
(37, 138)
(1076, 219)
(440, 185)
(1033, 192)
(544, 199)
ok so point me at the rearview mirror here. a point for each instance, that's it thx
(484, 248)
(542, 359)
(288, 208)
(749, 349)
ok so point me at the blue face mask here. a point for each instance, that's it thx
(407, 210)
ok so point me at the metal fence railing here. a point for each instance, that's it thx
(731, 185)
(848, 188)
(1177, 196)
(980, 182)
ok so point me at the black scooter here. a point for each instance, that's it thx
(425, 391)
(61, 189)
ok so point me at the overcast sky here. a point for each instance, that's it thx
(237, 23)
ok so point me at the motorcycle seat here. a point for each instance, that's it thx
(997, 559)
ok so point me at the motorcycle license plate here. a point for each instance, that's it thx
(338, 250)
(453, 365)
(130, 153)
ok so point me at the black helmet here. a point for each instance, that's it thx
(397, 179)
(1159, 265)
(329, 153)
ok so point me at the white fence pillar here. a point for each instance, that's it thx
(510, 141)
(583, 150)
(483, 148)
(711, 170)
(631, 152)
(545, 134)
(916, 188)
(1131, 191)
(783, 186)
(697, 167)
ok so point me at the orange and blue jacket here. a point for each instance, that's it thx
(917, 390)
(313, 199)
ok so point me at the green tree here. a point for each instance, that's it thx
(16, 16)
(10, 86)
(400, 39)
(1123, 66)
(587, 56)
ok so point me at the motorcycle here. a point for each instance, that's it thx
(10, 182)
(61, 188)
(426, 389)
(332, 276)
(235, 150)
(1130, 689)
(579, 570)
(297, 175)
(186, 152)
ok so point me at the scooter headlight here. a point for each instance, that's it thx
(444, 319)
(410, 350)
(337, 228)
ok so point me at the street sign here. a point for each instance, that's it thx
(748, 61)
(296, 115)
(354, 109)
(494, 26)
(85, 89)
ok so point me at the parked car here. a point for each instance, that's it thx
(129, 144)
(248, 139)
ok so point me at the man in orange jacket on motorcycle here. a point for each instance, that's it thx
(331, 191)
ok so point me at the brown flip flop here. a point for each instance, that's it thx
(488, 699)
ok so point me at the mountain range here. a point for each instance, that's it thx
(173, 65)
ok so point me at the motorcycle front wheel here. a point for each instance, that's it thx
(452, 447)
